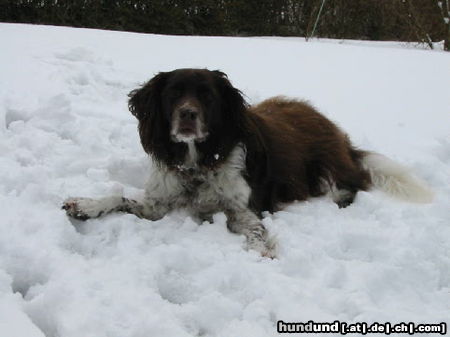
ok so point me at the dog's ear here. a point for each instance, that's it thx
(234, 104)
(145, 102)
(240, 123)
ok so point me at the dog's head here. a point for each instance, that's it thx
(186, 105)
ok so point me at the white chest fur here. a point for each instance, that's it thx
(202, 190)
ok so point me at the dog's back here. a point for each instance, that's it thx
(306, 154)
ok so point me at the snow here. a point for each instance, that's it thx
(65, 131)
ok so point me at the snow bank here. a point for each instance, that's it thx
(65, 131)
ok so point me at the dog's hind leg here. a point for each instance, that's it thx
(347, 176)
(342, 197)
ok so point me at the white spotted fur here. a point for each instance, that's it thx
(222, 189)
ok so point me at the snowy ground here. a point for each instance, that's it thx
(65, 131)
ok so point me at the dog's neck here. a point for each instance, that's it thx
(197, 157)
(190, 172)
(191, 159)
(190, 166)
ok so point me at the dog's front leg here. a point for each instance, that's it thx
(244, 221)
(88, 208)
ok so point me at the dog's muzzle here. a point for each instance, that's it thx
(188, 122)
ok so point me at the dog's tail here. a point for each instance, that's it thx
(395, 179)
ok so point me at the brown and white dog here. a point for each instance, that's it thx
(215, 153)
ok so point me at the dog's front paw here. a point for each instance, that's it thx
(82, 208)
(267, 248)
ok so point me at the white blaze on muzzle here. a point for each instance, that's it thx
(188, 122)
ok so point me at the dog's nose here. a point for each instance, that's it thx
(188, 114)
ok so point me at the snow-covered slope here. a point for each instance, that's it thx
(65, 131)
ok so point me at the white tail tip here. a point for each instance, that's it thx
(395, 179)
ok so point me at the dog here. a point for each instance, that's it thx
(212, 152)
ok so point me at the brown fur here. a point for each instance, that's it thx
(304, 150)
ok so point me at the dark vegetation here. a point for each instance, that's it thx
(405, 20)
